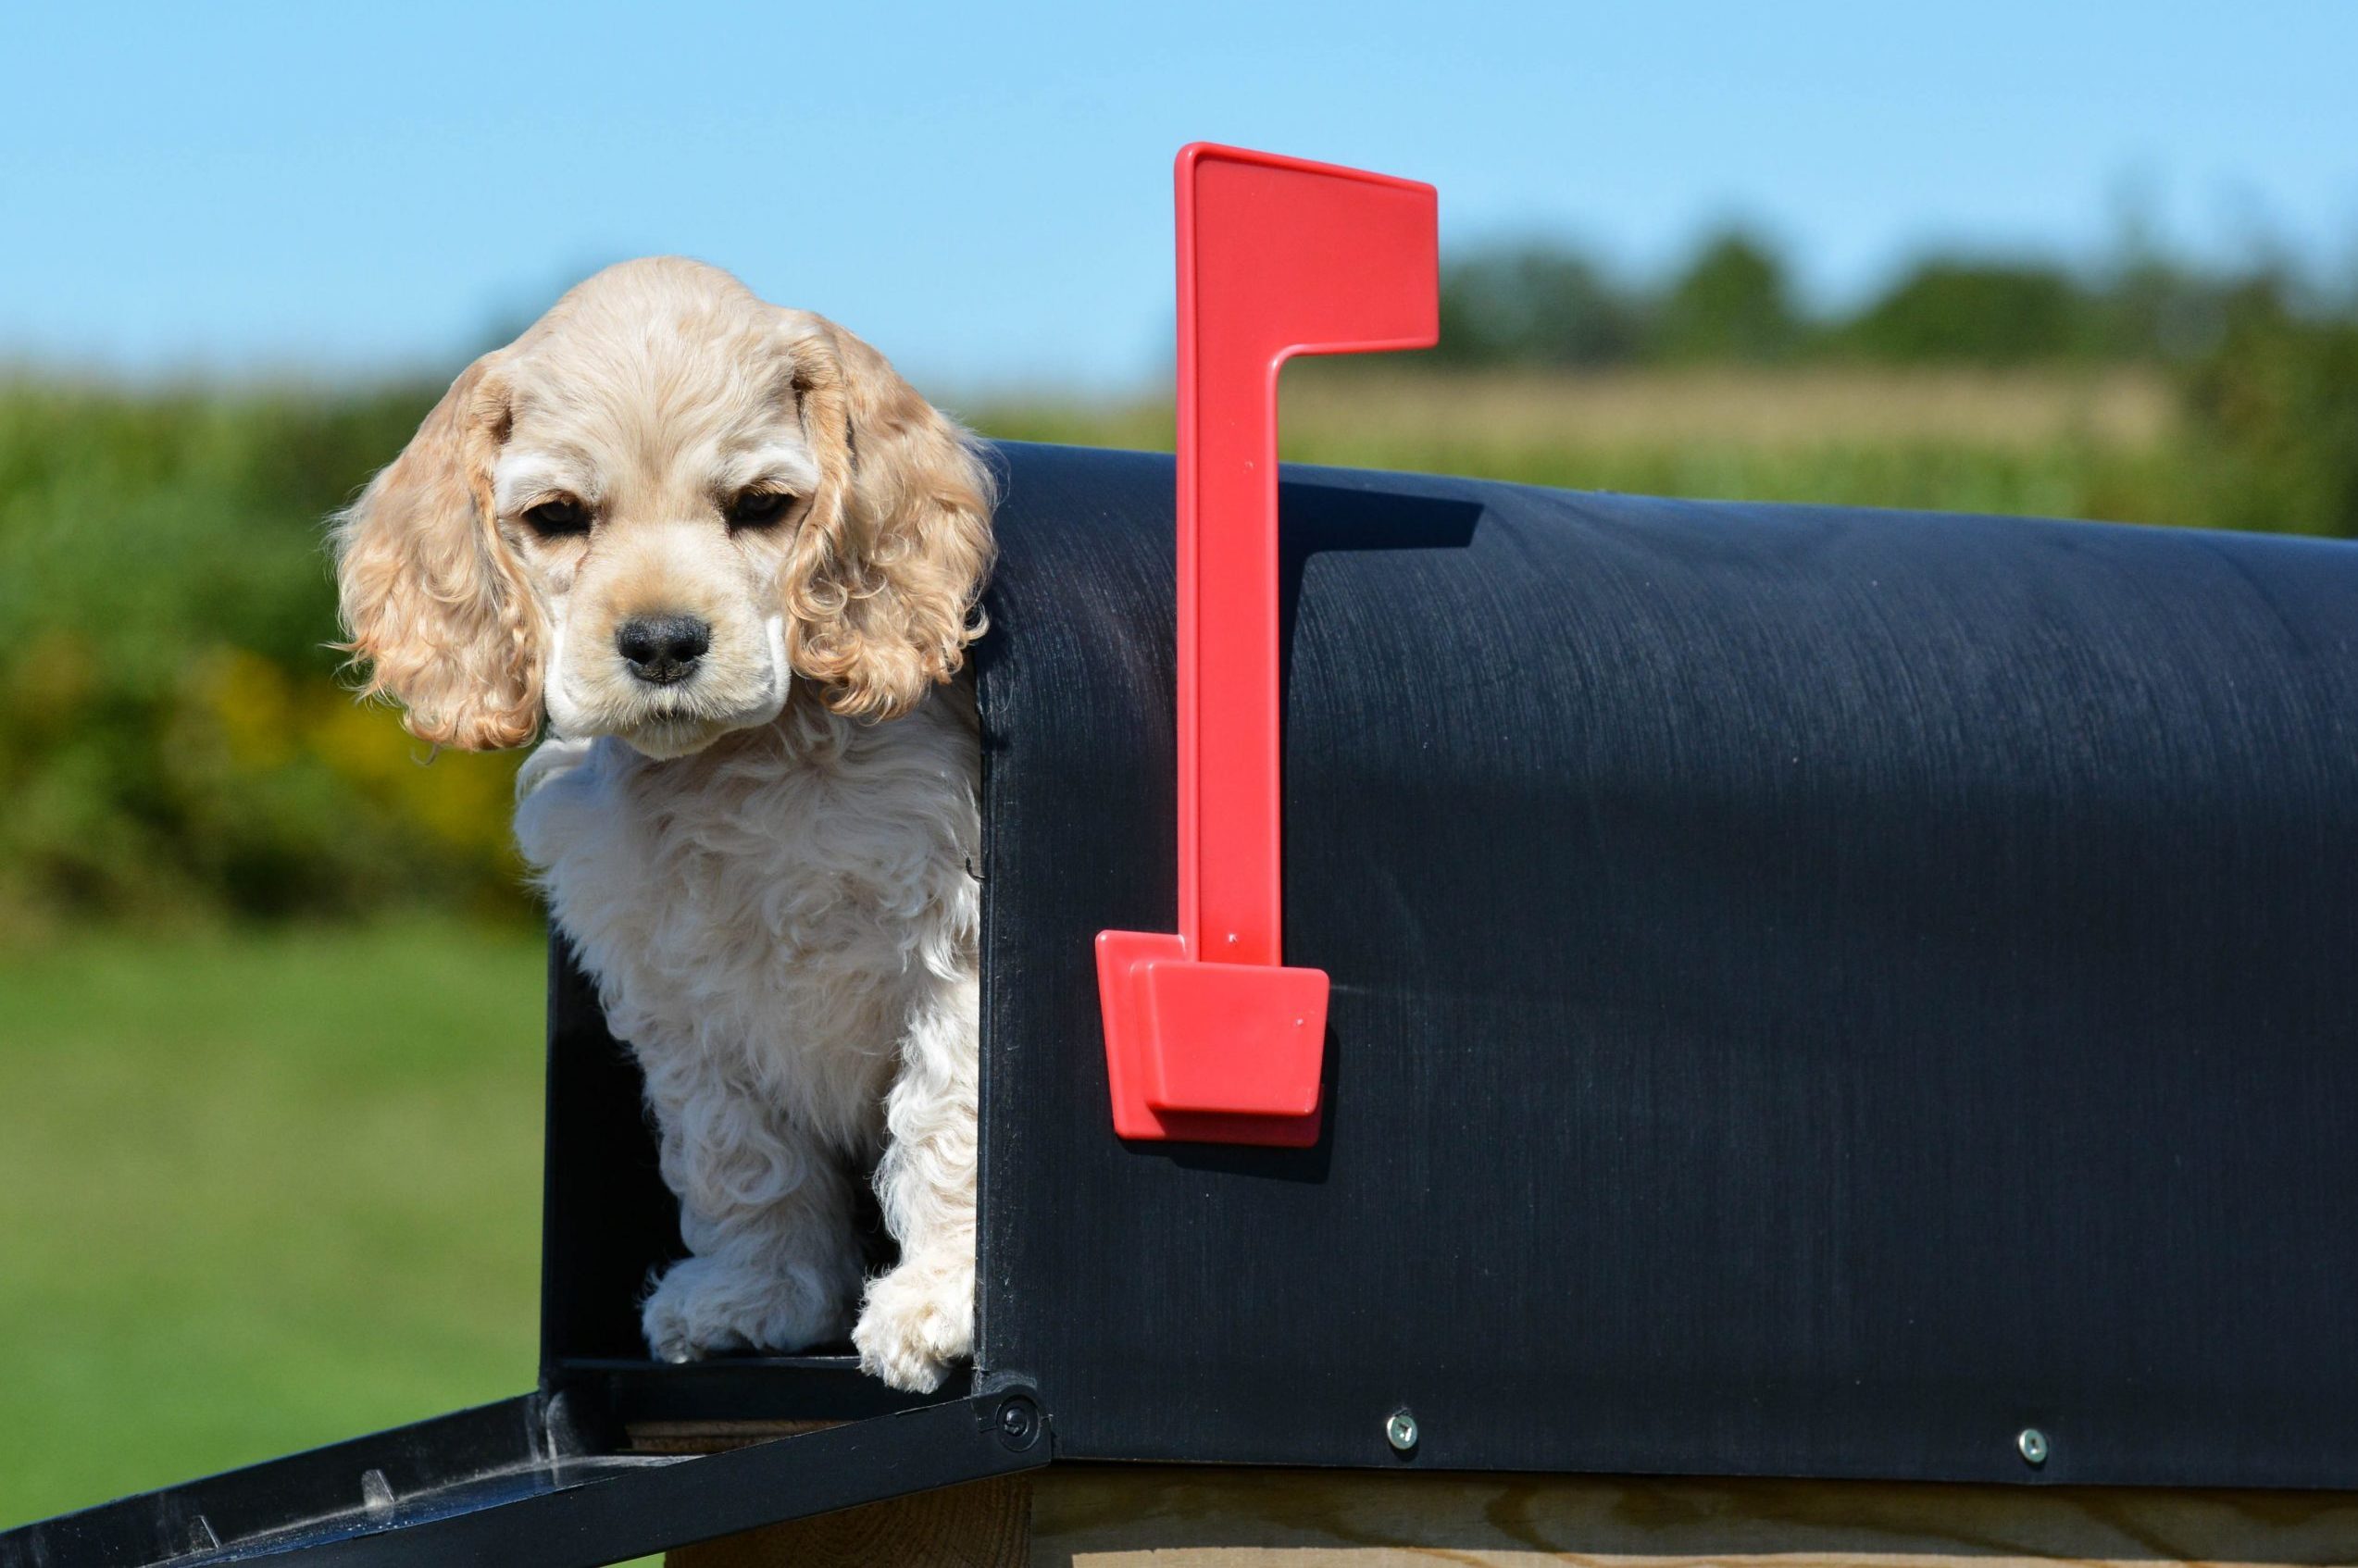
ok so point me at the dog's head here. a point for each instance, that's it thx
(650, 512)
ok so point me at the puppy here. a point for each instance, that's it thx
(729, 561)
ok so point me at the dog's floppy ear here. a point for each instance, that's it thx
(881, 580)
(434, 602)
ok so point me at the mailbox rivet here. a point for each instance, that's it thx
(2033, 1444)
(1401, 1430)
(1018, 1423)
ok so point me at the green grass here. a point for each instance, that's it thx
(257, 1193)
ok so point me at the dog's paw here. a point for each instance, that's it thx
(705, 1306)
(915, 1323)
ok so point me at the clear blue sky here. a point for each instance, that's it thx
(984, 190)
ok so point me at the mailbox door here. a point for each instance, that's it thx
(606, 1460)
(540, 1481)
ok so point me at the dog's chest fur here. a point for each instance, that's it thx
(763, 920)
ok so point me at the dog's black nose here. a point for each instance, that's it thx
(663, 649)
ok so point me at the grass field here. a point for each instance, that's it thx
(2095, 442)
(1393, 415)
(257, 1193)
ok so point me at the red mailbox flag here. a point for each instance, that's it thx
(1208, 1038)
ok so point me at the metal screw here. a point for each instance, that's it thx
(1018, 1423)
(2033, 1444)
(1401, 1430)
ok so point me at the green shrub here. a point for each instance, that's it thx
(2274, 411)
(1733, 303)
(1983, 313)
(1535, 304)
(175, 741)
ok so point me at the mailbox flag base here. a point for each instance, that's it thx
(1209, 1052)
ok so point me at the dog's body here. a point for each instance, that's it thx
(734, 560)
(802, 1004)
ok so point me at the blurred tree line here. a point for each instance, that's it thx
(2264, 362)
(1544, 304)
(176, 743)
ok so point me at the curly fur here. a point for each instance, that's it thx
(879, 594)
(766, 866)
(432, 601)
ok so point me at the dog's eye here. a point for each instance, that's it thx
(553, 518)
(758, 508)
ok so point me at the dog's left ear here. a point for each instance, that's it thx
(881, 583)
(434, 603)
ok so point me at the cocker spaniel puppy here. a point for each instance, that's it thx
(729, 561)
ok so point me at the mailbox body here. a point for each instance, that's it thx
(1815, 991)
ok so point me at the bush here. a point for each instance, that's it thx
(1534, 304)
(1733, 303)
(1978, 313)
(2274, 411)
(175, 741)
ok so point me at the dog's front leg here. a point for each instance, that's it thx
(920, 1317)
(766, 1210)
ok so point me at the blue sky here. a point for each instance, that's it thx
(984, 192)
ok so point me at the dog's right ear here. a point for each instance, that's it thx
(434, 602)
(881, 582)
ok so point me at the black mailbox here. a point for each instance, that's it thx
(1815, 993)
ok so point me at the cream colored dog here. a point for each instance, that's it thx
(732, 557)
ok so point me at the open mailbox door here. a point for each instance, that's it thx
(524, 1482)
(613, 1456)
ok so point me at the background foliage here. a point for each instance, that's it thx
(174, 742)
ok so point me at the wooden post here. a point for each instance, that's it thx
(1145, 1516)
(982, 1525)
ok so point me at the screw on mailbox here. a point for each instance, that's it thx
(1401, 1430)
(2033, 1444)
(1018, 1423)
